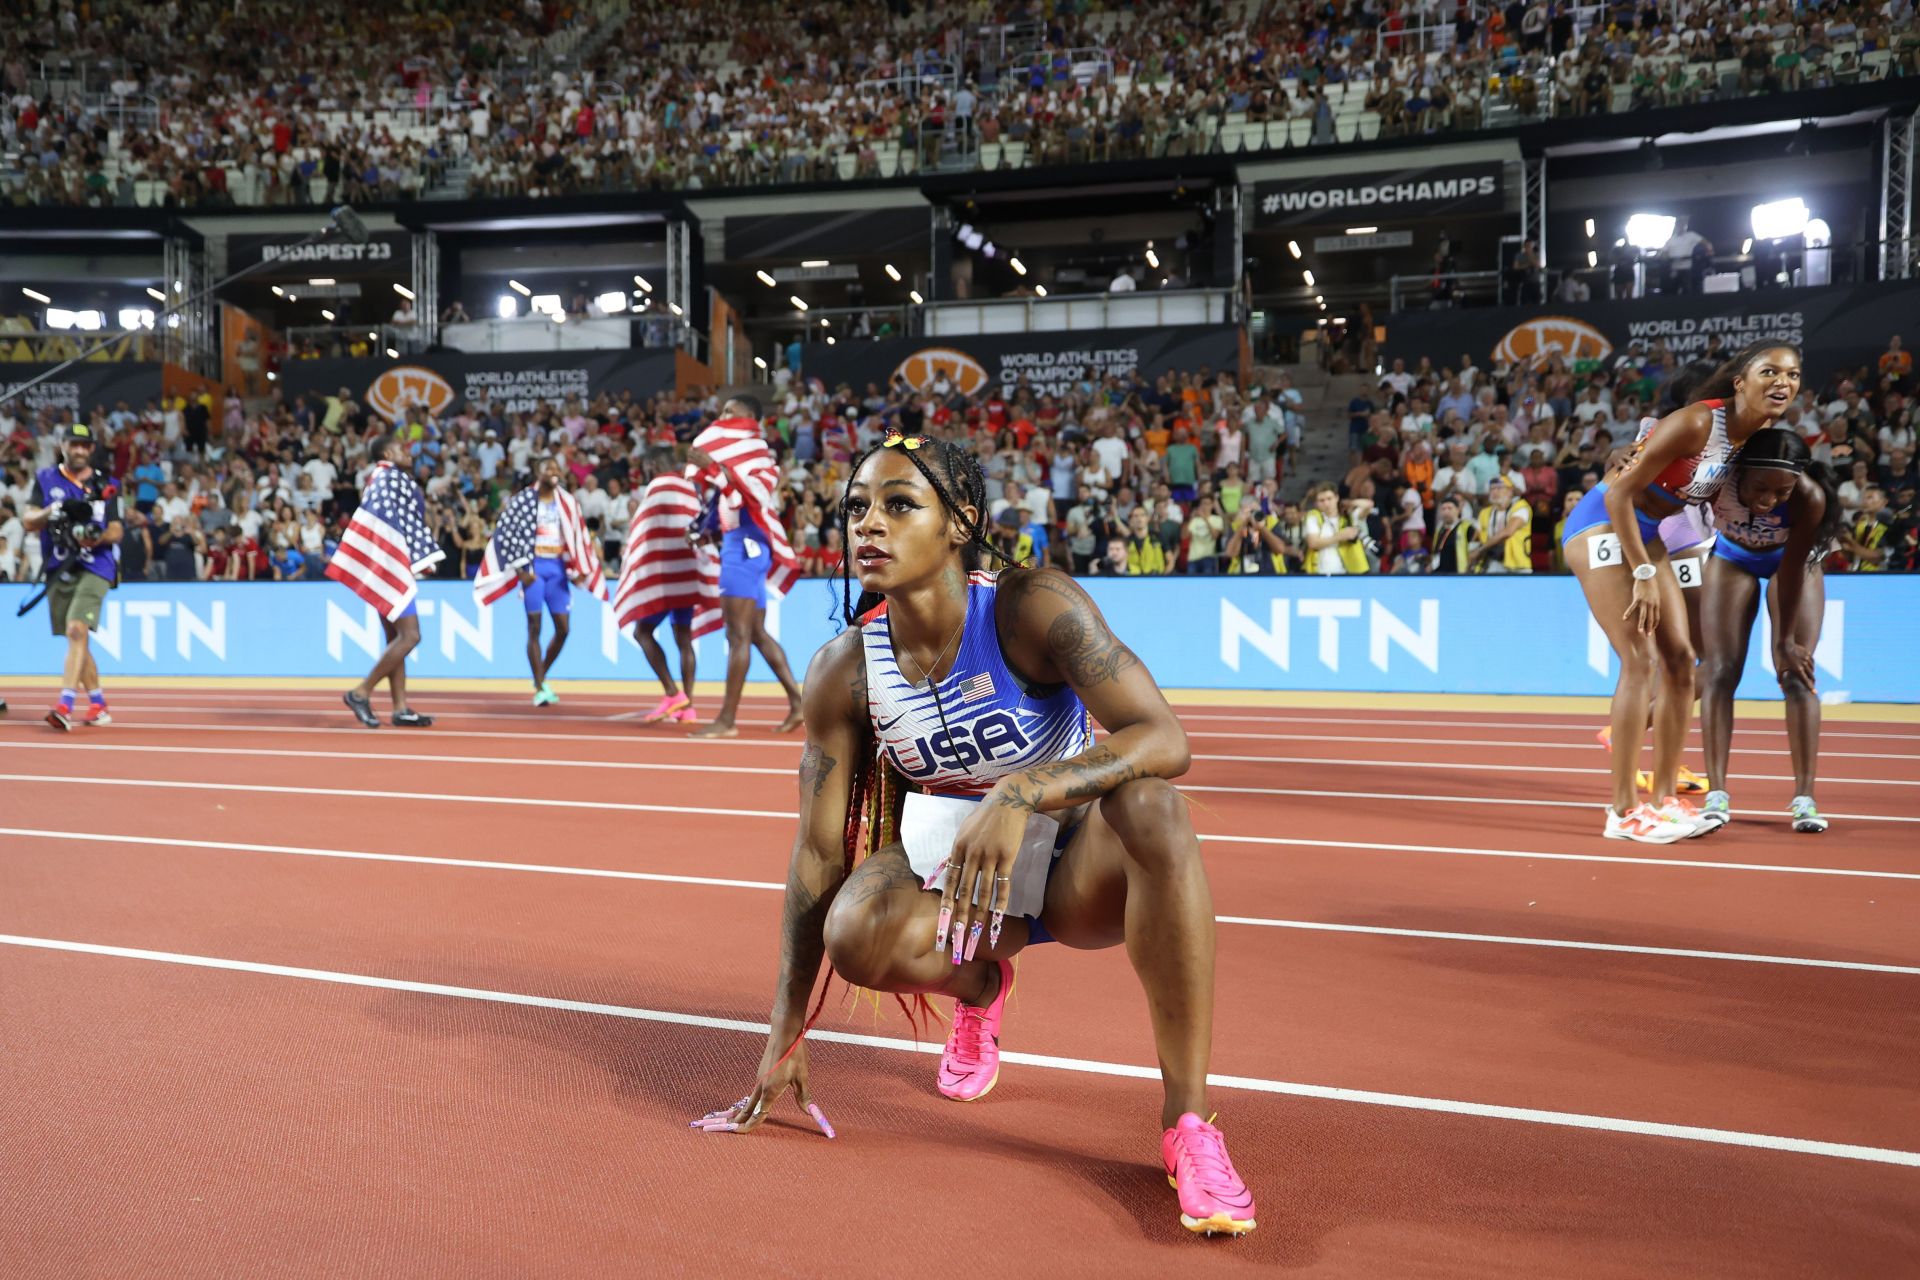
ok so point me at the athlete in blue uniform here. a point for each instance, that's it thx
(955, 716)
(543, 582)
(1776, 519)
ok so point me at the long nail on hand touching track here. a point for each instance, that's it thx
(820, 1118)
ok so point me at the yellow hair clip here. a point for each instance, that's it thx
(896, 439)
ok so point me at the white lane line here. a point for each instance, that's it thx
(1084, 1066)
(1569, 944)
(1539, 856)
(544, 762)
(1466, 726)
(1453, 721)
(549, 803)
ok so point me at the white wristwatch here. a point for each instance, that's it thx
(1644, 573)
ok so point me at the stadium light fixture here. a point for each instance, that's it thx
(1321, 321)
(1308, 277)
(136, 318)
(759, 362)
(173, 321)
(1319, 297)
(830, 341)
(988, 250)
(155, 294)
(327, 315)
(372, 336)
(1339, 319)
(612, 303)
(1589, 228)
(1019, 267)
(278, 292)
(1780, 219)
(1153, 259)
(1818, 233)
(644, 283)
(403, 291)
(293, 297)
(272, 376)
(893, 272)
(557, 316)
(321, 281)
(1593, 259)
(799, 303)
(825, 323)
(1362, 231)
(1650, 230)
(392, 354)
(675, 308)
(546, 303)
(766, 279)
(519, 288)
(507, 307)
(915, 295)
(814, 264)
(1040, 291)
(1293, 247)
(1746, 246)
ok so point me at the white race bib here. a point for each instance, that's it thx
(1603, 551)
(928, 825)
(1691, 571)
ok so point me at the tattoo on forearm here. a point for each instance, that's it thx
(803, 931)
(1088, 653)
(816, 766)
(1088, 776)
(1017, 796)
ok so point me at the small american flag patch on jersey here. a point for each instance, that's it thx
(974, 688)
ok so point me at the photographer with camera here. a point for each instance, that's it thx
(77, 514)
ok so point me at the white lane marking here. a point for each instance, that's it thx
(1463, 726)
(1571, 944)
(544, 802)
(1084, 1066)
(545, 762)
(327, 700)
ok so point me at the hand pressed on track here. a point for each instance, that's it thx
(748, 1114)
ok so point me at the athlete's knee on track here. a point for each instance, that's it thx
(1150, 817)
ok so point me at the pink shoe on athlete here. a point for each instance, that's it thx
(1212, 1197)
(971, 1065)
(664, 709)
(685, 715)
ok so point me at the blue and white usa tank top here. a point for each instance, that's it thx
(1754, 532)
(994, 726)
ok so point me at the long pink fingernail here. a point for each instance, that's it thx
(940, 929)
(957, 939)
(973, 938)
(820, 1118)
(993, 934)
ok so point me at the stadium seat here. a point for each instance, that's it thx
(1300, 131)
(1369, 125)
(990, 155)
(1346, 127)
(1016, 155)
(1277, 130)
(847, 164)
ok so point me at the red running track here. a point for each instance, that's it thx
(1463, 1035)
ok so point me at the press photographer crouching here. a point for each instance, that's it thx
(77, 514)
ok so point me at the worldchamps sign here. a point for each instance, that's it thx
(1397, 193)
(1839, 327)
(1049, 363)
(514, 382)
(81, 388)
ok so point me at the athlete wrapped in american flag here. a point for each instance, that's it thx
(665, 575)
(542, 542)
(731, 462)
(386, 546)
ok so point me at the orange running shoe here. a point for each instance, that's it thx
(1689, 784)
(96, 714)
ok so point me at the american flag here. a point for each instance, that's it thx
(386, 545)
(748, 479)
(659, 569)
(511, 547)
(975, 688)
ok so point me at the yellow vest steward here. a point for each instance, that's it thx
(1517, 552)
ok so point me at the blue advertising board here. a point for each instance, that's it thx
(1406, 635)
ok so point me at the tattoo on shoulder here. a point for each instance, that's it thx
(816, 766)
(1086, 649)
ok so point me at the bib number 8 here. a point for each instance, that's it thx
(1690, 571)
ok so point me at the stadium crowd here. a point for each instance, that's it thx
(1449, 465)
(355, 104)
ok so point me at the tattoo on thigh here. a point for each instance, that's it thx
(882, 873)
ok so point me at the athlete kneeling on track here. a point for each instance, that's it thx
(949, 730)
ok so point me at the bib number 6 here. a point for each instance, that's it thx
(1603, 551)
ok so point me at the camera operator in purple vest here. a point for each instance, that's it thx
(77, 513)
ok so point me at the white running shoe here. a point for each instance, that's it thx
(1806, 816)
(1647, 825)
(1717, 811)
(1684, 813)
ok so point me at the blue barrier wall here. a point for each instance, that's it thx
(1468, 635)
